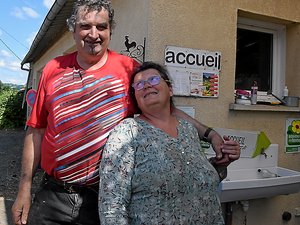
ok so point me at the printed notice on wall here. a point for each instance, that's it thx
(191, 82)
(193, 72)
(292, 137)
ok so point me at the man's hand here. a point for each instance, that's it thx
(230, 150)
(217, 142)
(20, 208)
(30, 162)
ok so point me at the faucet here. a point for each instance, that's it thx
(264, 154)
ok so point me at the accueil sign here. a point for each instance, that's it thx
(192, 58)
(193, 72)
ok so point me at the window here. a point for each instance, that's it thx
(260, 56)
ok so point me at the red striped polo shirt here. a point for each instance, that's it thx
(78, 109)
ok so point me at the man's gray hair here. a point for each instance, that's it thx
(91, 5)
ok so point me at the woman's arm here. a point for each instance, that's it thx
(226, 150)
(116, 169)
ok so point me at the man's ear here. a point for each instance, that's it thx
(171, 91)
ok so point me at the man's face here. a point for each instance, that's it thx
(92, 32)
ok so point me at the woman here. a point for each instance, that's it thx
(153, 170)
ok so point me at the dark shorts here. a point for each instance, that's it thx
(56, 204)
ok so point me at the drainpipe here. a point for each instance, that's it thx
(245, 205)
(26, 89)
(228, 213)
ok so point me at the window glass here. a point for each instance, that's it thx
(260, 55)
(253, 60)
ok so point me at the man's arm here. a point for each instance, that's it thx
(226, 150)
(30, 162)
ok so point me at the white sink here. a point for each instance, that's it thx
(248, 184)
(244, 182)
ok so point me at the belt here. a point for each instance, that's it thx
(69, 187)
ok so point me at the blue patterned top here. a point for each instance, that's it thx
(148, 177)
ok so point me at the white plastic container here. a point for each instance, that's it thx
(285, 92)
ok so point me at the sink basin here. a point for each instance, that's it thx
(248, 184)
(244, 182)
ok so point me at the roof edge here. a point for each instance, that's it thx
(56, 7)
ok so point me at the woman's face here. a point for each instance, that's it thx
(152, 95)
(92, 32)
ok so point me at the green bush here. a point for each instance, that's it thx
(11, 113)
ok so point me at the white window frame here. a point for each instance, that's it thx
(279, 49)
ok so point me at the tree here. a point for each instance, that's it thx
(3, 87)
(11, 113)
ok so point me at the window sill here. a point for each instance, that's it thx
(264, 108)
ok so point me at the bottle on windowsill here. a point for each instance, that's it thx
(254, 93)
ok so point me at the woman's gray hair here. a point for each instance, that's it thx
(91, 5)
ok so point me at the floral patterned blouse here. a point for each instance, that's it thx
(148, 177)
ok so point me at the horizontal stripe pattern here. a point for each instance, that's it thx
(85, 110)
(78, 109)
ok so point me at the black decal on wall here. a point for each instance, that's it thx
(134, 50)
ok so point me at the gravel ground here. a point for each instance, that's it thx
(11, 146)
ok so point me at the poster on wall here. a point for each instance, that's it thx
(193, 72)
(192, 82)
(292, 137)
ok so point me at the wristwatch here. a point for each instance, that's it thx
(205, 136)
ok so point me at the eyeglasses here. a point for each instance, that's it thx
(139, 85)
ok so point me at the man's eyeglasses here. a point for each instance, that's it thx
(139, 85)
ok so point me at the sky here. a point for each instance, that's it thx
(20, 21)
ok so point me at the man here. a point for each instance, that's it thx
(81, 97)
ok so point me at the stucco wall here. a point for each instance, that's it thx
(59, 48)
(211, 25)
(131, 20)
(293, 58)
